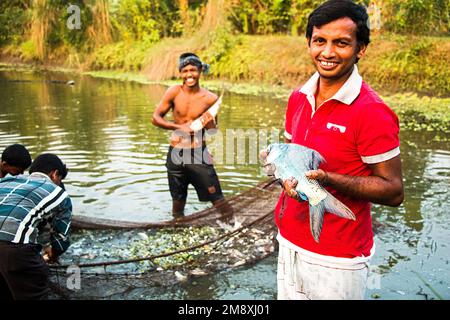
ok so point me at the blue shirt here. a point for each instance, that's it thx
(27, 203)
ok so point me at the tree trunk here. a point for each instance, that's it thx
(184, 15)
(101, 31)
(42, 17)
(216, 15)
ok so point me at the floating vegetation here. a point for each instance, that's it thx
(422, 113)
(169, 240)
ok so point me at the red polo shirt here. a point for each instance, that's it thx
(351, 130)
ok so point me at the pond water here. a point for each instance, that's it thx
(102, 129)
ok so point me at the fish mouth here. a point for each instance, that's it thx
(263, 154)
(269, 169)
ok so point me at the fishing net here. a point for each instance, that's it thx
(108, 264)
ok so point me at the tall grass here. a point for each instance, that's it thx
(43, 15)
(100, 32)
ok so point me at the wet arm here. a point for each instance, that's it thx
(384, 186)
(162, 109)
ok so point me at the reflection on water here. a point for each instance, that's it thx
(102, 130)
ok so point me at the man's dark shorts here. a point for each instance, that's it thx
(192, 166)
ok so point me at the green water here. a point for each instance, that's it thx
(102, 130)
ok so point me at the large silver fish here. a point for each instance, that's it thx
(286, 160)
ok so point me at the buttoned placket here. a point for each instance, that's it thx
(312, 102)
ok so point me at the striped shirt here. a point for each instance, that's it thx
(27, 203)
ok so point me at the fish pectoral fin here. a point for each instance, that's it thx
(316, 220)
(333, 205)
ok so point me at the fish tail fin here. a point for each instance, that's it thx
(316, 219)
(333, 205)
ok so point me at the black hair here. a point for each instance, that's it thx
(17, 155)
(335, 9)
(47, 162)
(188, 58)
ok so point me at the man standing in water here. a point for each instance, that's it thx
(336, 113)
(188, 160)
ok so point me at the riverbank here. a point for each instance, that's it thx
(393, 63)
(416, 111)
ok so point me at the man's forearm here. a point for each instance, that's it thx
(160, 122)
(372, 188)
(383, 186)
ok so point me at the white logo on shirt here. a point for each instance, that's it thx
(336, 127)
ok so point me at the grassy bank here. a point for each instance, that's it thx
(416, 112)
(393, 63)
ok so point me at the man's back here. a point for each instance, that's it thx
(25, 202)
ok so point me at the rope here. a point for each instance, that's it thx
(116, 262)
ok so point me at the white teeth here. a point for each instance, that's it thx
(327, 64)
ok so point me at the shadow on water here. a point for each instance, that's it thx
(102, 130)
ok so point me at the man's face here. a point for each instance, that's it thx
(55, 177)
(334, 49)
(12, 170)
(190, 75)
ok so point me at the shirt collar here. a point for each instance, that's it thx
(40, 174)
(346, 94)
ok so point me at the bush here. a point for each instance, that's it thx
(13, 21)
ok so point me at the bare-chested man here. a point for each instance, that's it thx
(188, 160)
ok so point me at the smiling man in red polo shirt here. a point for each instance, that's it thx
(340, 116)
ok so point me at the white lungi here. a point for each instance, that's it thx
(305, 275)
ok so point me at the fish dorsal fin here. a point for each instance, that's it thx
(316, 159)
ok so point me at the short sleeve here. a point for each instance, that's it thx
(378, 134)
(290, 110)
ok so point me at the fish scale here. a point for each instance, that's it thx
(286, 160)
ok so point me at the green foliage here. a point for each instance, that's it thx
(13, 19)
(417, 16)
(127, 56)
(62, 35)
(146, 20)
(261, 17)
(222, 42)
(406, 63)
(421, 113)
(28, 50)
(290, 16)
(265, 59)
(299, 12)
